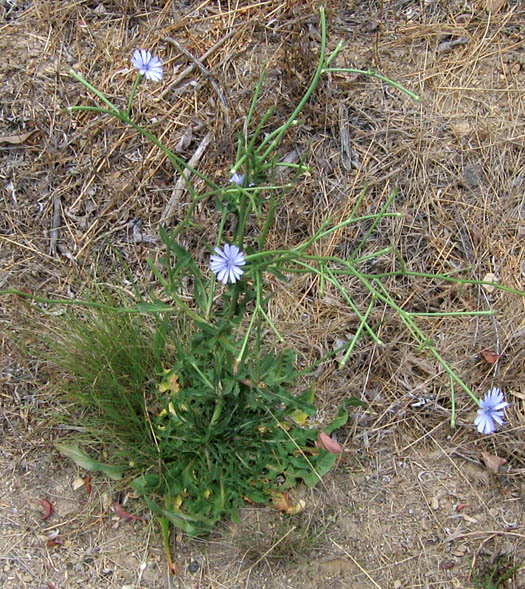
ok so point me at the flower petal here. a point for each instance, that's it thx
(484, 423)
(237, 179)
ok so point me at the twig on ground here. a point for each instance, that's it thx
(181, 182)
(55, 224)
(205, 72)
(191, 67)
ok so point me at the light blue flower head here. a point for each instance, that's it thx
(237, 179)
(227, 264)
(491, 412)
(148, 65)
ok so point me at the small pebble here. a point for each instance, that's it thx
(193, 567)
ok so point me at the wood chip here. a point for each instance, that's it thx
(16, 139)
(493, 6)
(446, 46)
(185, 140)
(78, 483)
(490, 277)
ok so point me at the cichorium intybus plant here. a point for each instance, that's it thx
(204, 416)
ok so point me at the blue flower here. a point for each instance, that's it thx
(237, 179)
(148, 65)
(226, 265)
(491, 411)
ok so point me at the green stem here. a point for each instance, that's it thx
(125, 117)
(373, 255)
(218, 408)
(103, 111)
(244, 211)
(244, 345)
(177, 162)
(77, 303)
(91, 88)
(165, 533)
(453, 313)
(132, 95)
(447, 278)
(417, 333)
(382, 213)
(140, 308)
(332, 280)
(355, 339)
(291, 120)
(267, 222)
(372, 74)
(271, 324)
(213, 282)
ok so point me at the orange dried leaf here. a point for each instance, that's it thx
(282, 502)
(125, 515)
(490, 357)
(54, 542)
(88, 485)
(48, 509)
(492, 462)
(328, 443)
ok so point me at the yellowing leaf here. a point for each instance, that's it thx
(299, 416)
(283, 503)
(170, 383)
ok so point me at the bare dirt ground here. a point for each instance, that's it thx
(412, 503)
